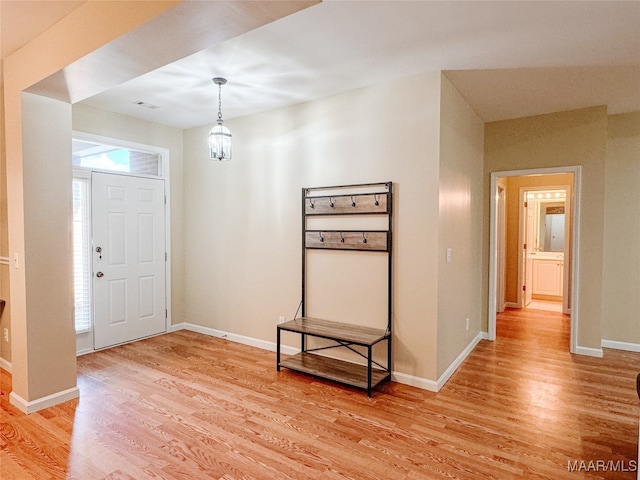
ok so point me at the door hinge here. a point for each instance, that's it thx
(166, 314)
(524, 288)
(165, 199)
(524, 246)
(525, 204)
(165, 256)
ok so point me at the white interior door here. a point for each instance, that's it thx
(502, 250)
(530, 242)
(128, 258)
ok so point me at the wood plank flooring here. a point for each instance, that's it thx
(188, 406)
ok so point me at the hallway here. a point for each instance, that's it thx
(539, 327)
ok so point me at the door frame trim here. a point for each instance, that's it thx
(165, 174)
(575, 240)
(522, 220)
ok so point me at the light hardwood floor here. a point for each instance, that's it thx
(188, 406)
(545, 305)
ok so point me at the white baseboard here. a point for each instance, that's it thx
(459, 360)
(5, 365)
(177, 327)
(252, 342)
(629, 347)
(512, 305)
(418, 382)
(589, 352)
(44, 402)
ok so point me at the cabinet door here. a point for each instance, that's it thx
(547, 277)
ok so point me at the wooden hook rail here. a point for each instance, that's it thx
(370, 240)
(355, 204)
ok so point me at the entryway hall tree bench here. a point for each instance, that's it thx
(348, 220)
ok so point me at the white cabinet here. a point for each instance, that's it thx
(547, 277)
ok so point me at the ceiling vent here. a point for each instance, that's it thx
(150, 106)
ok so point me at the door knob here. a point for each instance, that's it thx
(99, 274)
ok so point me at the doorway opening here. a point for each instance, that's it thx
(121, 241)
(534, 234)
(544, 234)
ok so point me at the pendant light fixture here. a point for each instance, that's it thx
(219, 135)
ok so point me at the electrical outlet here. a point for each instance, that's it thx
(5, 334)
(281, 319)
(467, 324)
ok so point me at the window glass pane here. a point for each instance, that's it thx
(81, 252)
(116, 159)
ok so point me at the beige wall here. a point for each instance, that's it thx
(5, 319)
(514, 184)
(561, 139)
(99, 122)
(242, 218)
(621, 279)
(460, 225)
(45, 262)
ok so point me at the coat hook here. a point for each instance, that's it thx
(364, 238)
(321, 237)
(331, 204)
(312, 203)
(353, 201)
(376, 200)
(341, 237)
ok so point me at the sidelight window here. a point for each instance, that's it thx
(81, 260)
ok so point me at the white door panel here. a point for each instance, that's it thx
(530, 242)
(128, 258)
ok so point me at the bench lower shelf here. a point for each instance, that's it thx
(334, 369)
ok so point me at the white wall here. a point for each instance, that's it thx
(460, 225)
(242, 218)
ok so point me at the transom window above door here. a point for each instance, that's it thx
(99, 156)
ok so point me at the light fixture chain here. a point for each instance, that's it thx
(219, 101)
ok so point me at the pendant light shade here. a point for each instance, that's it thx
(220, 143)
(219, 135)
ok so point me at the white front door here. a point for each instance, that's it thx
(128, 258)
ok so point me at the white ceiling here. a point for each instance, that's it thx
(509, 59)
